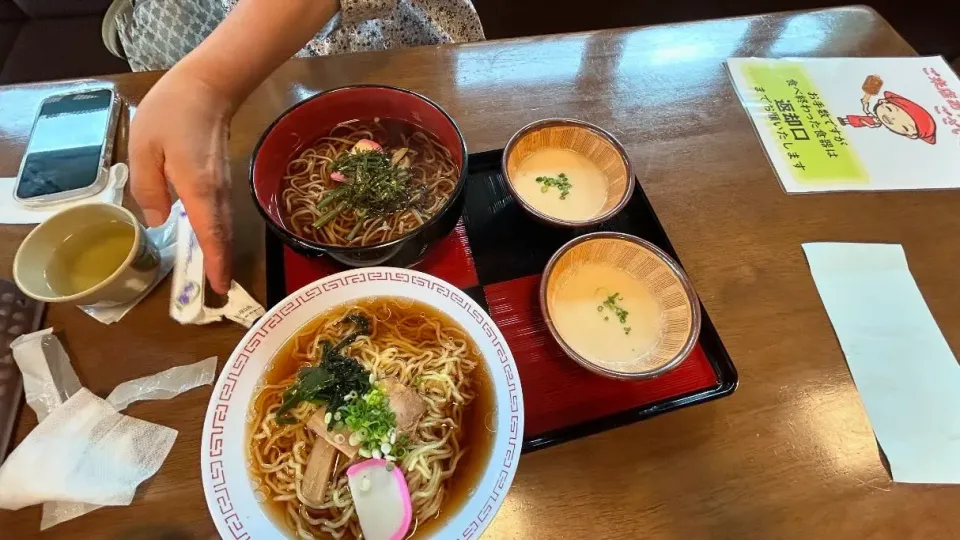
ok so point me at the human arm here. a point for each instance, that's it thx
(865, 101)
(179, 133)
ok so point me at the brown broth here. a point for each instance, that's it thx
(479, 417)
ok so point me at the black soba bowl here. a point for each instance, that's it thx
(309, 120)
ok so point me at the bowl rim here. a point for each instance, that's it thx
(674, 266)
(303, 243)
(548, 122)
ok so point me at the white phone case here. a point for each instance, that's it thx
(106, 155)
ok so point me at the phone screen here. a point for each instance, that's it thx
(63, 153)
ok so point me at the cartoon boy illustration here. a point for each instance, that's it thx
(894, 112)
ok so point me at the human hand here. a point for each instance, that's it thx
(179, 134)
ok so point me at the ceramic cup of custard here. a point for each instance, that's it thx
(620, 306)
(567, 172)
(91, 254)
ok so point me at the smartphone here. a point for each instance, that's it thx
(70, 148)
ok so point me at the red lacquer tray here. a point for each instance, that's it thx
(496, 255)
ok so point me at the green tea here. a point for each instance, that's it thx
(89, 256)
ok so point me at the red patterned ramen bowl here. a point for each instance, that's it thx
(227, 481)
(313, 118)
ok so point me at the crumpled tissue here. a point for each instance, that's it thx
(84, 454)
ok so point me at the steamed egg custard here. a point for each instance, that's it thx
(620, 306)
(562, 184)
(607, 316)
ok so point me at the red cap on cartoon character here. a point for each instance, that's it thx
(926, 125)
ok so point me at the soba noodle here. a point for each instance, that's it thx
(308, 182)
(408, 341)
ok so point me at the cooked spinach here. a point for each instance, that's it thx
(333, 379)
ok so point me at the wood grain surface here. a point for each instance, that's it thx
(789, 455)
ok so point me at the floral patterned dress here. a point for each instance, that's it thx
(363, 25)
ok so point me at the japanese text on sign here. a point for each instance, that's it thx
(949, 114)
(795, 118)
(797, 126)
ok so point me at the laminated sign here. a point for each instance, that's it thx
(854, 124)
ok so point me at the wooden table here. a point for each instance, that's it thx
(789, 455)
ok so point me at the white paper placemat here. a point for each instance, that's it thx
(905, 372)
